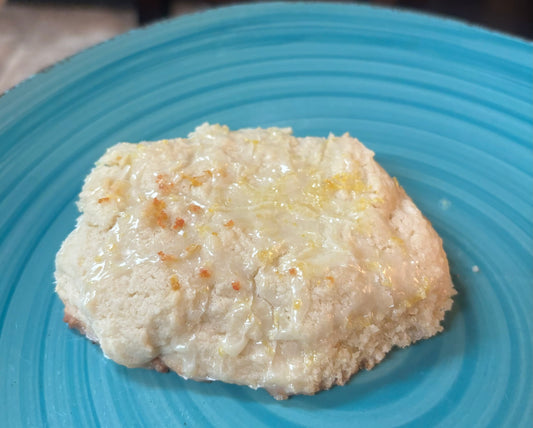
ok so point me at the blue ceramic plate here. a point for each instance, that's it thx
(446, 107)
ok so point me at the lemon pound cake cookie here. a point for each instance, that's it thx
(251, 257)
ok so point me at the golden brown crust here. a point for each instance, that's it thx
(156, 364)
(74, 323)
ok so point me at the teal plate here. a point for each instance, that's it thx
(446, 107)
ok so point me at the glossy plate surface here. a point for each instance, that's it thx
(446, 107)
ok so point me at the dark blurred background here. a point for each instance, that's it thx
(512, 16)
(37, 33)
